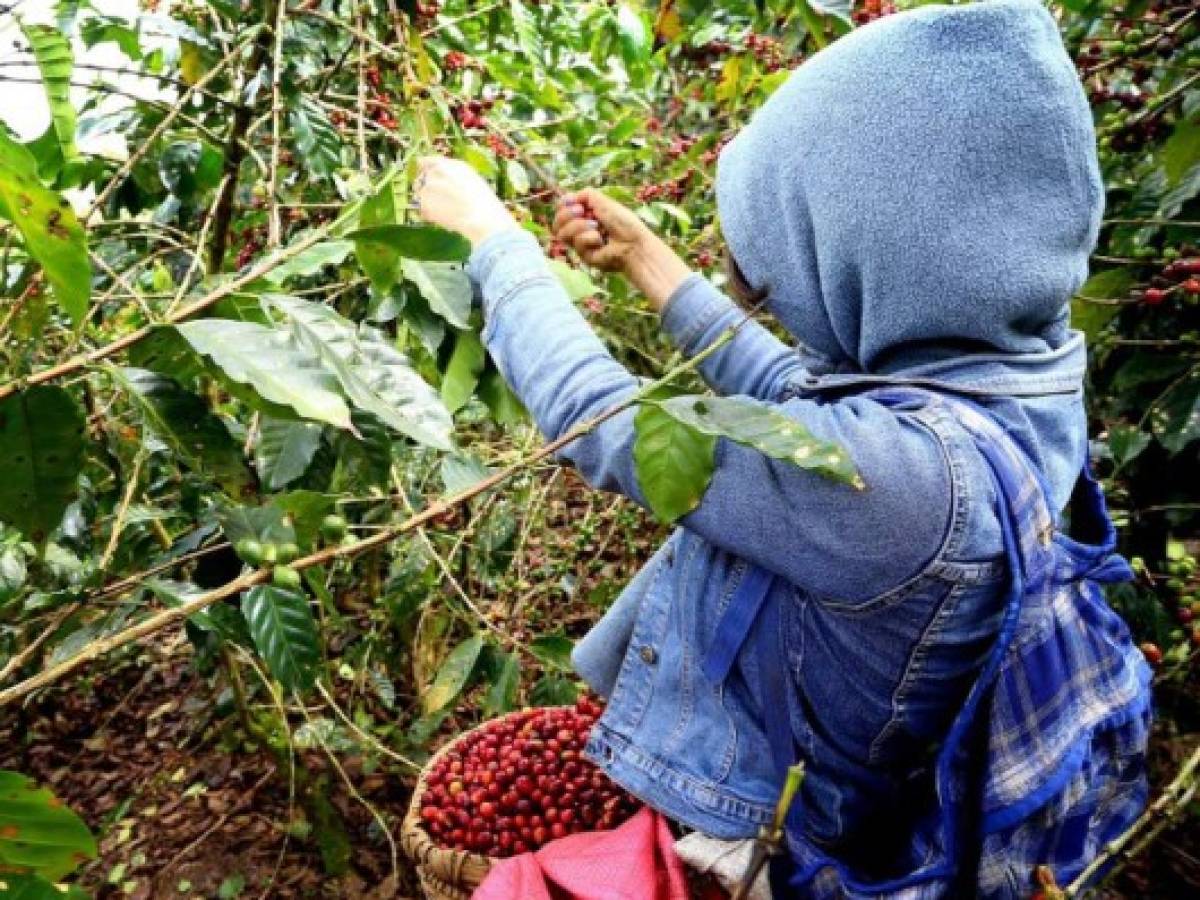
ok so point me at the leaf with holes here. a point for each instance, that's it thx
(271, 362)
(1175, 416)
(377, 378)
(753, 424)
(453, 675)
(41, 443)
(55, 61)
(673, 462)
(285, 633)
(38, 834)
(284, 450)
(180, 419)
(53, 236)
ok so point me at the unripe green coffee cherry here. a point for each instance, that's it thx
(250, 550)
(285, 577)
(286, 552)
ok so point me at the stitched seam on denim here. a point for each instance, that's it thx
(515, 287)
(914, 668)
(627, 684)
(703, 794)
(711, 310)
(687, 677)
(959, 506)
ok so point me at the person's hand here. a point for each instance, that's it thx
(608, 236)
(604, 233)
(451, 194)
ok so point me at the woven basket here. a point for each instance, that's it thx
(445, 874)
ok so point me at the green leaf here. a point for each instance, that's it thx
(284, 450)
(501, 402)
(265, 524)
(182, 420)
(446, 287)
(271, 362)
(427, 242)
(376, 377)
(673, 462)
(1175, 416)
(285, 633)
(38, 834)
(1126, 442)
(311, 261)
(41, 444)
(31, 887)
(53, 236)
(13, 572)
(188, 167)
(219, 618)
(1181, 151)
(502, 695)
(463, 371)
(318, 142)
(553, 690)
(755, 425)
(1092, 318)
(577, 283)
(633, 34)
(460, 472)
(553, 650)
(528, 38)
(55, 61)
(379, 262)
(453, 675)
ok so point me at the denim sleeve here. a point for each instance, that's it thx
(755, 362)
(825, 537)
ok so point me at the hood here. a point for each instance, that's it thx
(924, 190)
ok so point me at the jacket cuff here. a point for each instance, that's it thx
(692, 310)
(505, 262)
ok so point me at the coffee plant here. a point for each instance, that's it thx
(253, 443)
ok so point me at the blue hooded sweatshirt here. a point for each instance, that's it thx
(919, 201)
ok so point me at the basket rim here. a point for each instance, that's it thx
(417, 842)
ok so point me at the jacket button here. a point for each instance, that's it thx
(649, 655)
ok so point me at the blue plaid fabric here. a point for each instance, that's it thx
(1045, 762)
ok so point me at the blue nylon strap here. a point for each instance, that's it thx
(736, 622)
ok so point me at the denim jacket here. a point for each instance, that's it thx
(893, 594)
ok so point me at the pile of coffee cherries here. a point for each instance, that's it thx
(520, 782)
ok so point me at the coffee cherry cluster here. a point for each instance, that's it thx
(1179, 278)
(767, 50)
(456, 61)
(471, 113)
(872, 10)
(250, 243)
(500, 147)
(521, 782)
(673, 190)
(679, 146)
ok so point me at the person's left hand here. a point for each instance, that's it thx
(449, 193)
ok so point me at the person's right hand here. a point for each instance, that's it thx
(604, 233)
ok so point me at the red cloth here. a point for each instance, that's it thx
(634, 862)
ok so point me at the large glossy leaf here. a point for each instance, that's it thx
(271, 362)
(285, 633)
(453, 675)
(266, 524)
(52, 234)
(767, 431)
(502, 695)
(55, 61)
(377, 378)
(446, 288)
(317, 140)
(311, 261)
(31, 887)
(1175, 416)
(426, 242)
(1088, 313)
(182, 420)
(41, 444)
(463, 371)
(379, 261)
(673, 462)
(38, 834)
(284, 450)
